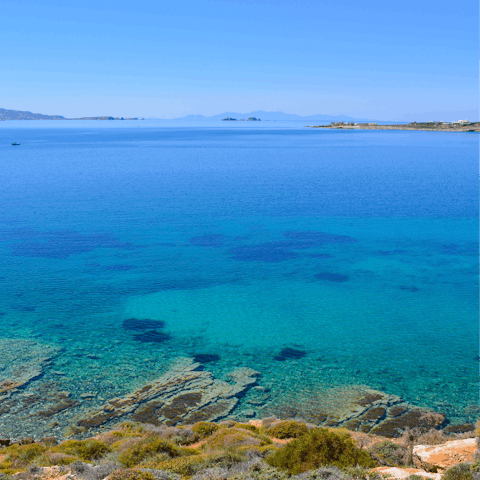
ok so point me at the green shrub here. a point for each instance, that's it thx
(391, 454)
(187, 466)
(475, 466)
(319, 447)
(128, 474)
(20, 456)
(84, 449)
(416, 477)
(362, 473)
(247, 426)
(147, 449)
(205, 429)
(287, 429)
(462, 471)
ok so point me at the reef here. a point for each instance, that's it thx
(185, 394)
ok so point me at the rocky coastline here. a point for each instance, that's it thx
(426, 127)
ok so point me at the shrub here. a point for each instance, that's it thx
(146, 449)
(362, 473)
(317, 448)
(416, 477)
(432, 437)
(128, 474)
(84, 449)
(391, 454)
(20, 456)
(205, 429)
(247, 426)
(187, 466)
(462, 471)
(287, 429)
(231, 438)
(61, 458)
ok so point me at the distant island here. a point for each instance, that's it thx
(459, 126)
(250, 119)
(23, 115)
(271, 116)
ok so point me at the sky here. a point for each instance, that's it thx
(405, 61)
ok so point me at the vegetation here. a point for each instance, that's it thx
(85, 450)
(287, 429)
(391, 454)
(228, 451)
(320, 447)
(462, 471)
(205, 429)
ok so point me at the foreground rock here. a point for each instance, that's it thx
(447, 454)
(401, 473)
(185, 394)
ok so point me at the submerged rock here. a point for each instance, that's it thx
(185, 394)
(290, 353)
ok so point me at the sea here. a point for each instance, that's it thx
(319, 258)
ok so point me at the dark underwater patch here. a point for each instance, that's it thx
(140, 324)
(332, 277)
(318, 255)
(211, 240)
(316, 239)
(267, 252)
(62, 244)
(409, 288)
(206, 357)
(118, 268)
(289, 353)
(152, 336)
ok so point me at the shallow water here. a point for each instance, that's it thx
(319, 258)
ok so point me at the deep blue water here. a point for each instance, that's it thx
(358, 249)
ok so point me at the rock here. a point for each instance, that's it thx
(248, 413)
(49, 441)
(185, 394)
(27, 441)
(404, 473)
(87, 396)
(463, 428)
(412, 418)
(447, 454)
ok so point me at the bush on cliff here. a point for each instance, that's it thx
(462, 471)
(146, 450)
(205, 429)
(317, 448)
(20, 457)
(232, 438)
(287, 429)
(391, 454)
(83, 449)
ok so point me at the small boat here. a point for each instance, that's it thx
(15, 143)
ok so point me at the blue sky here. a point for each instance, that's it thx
(372, 59)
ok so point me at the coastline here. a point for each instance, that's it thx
(474, 127)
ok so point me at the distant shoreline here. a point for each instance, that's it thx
(426, 127)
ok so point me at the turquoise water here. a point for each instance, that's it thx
(356, 250)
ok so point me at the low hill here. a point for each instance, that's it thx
(21, 115)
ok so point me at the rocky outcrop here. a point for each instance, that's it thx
(404, 473)
(447, 454)
(185, 394)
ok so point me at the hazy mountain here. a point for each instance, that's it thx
(20, 115)
(277, 116)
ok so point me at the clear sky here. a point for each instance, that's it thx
(373, 59)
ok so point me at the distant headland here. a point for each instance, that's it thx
(24, 115)
(459, 126)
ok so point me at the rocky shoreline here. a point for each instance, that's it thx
(34, 403)
(426, 127)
